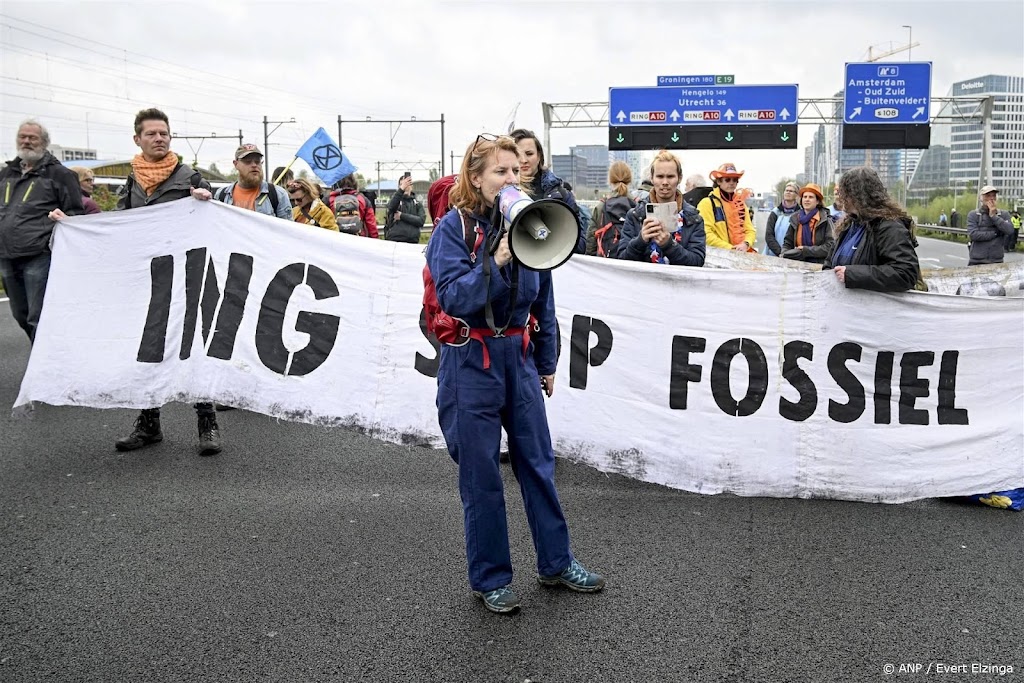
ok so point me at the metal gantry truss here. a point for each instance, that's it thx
(595, 114)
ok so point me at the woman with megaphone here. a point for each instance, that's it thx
(493, 379)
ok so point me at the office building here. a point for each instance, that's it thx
(958, 146)
(70, 154)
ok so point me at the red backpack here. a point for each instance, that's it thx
(447, 329)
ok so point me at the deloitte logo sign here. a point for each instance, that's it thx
(972, 85)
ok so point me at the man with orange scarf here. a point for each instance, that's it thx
(157, 177)
(727, 220)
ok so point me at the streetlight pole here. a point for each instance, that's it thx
(266, 144)
(910, 41)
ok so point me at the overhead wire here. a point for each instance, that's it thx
(184, 80)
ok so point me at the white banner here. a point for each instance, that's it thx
(994, 279)
(755, 383)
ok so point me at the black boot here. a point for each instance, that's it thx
(209, 435)
(146, 432)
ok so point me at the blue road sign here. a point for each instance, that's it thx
(887, 93)
(703, 105)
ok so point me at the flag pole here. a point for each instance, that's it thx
(281, 174)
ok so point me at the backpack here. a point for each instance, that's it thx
(271, 195)
(347, 212)
(613, 215)
(445, 328)
(195, 181)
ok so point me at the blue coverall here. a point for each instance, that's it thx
(474, 404)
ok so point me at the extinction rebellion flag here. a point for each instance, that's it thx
(326, 159)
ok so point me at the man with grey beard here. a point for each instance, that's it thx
(31, 186)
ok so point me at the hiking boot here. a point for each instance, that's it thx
(576, 578)
(145, 433)
(501, 600)
(209, 435)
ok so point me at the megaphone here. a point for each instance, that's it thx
(542, 234)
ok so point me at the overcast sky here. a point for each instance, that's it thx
(85, 68)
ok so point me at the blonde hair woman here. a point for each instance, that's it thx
(307, 207)
(493, 379)
(87, 182)
(610, 214)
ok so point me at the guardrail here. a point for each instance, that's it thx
(955, 231)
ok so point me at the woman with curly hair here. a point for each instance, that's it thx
(874, 248)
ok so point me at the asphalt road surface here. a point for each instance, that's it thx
(935, 253)
(305, 554)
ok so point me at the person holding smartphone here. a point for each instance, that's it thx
(406, 214)
(666, 229)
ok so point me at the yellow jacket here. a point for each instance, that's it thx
(717, 231)
(320, 213)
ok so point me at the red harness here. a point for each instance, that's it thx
(455, 332)
(465, 333)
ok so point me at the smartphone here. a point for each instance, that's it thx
(407, 174)
(664, 212)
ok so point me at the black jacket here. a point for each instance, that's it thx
(884, 261)
(177, 186)
(407, 227)
(26, 200)
(697, 194)
(823, 238)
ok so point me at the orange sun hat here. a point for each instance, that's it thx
(726, 170)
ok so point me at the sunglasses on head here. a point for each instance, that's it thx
(489, 137)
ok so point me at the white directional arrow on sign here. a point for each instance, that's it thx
(620, 116)
(920, 110)
(675, 115)
(728, 114)
(784, 114)
(855, 112)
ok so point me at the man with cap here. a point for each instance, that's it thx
(727, 220)
(251, 191)
(987, 229)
